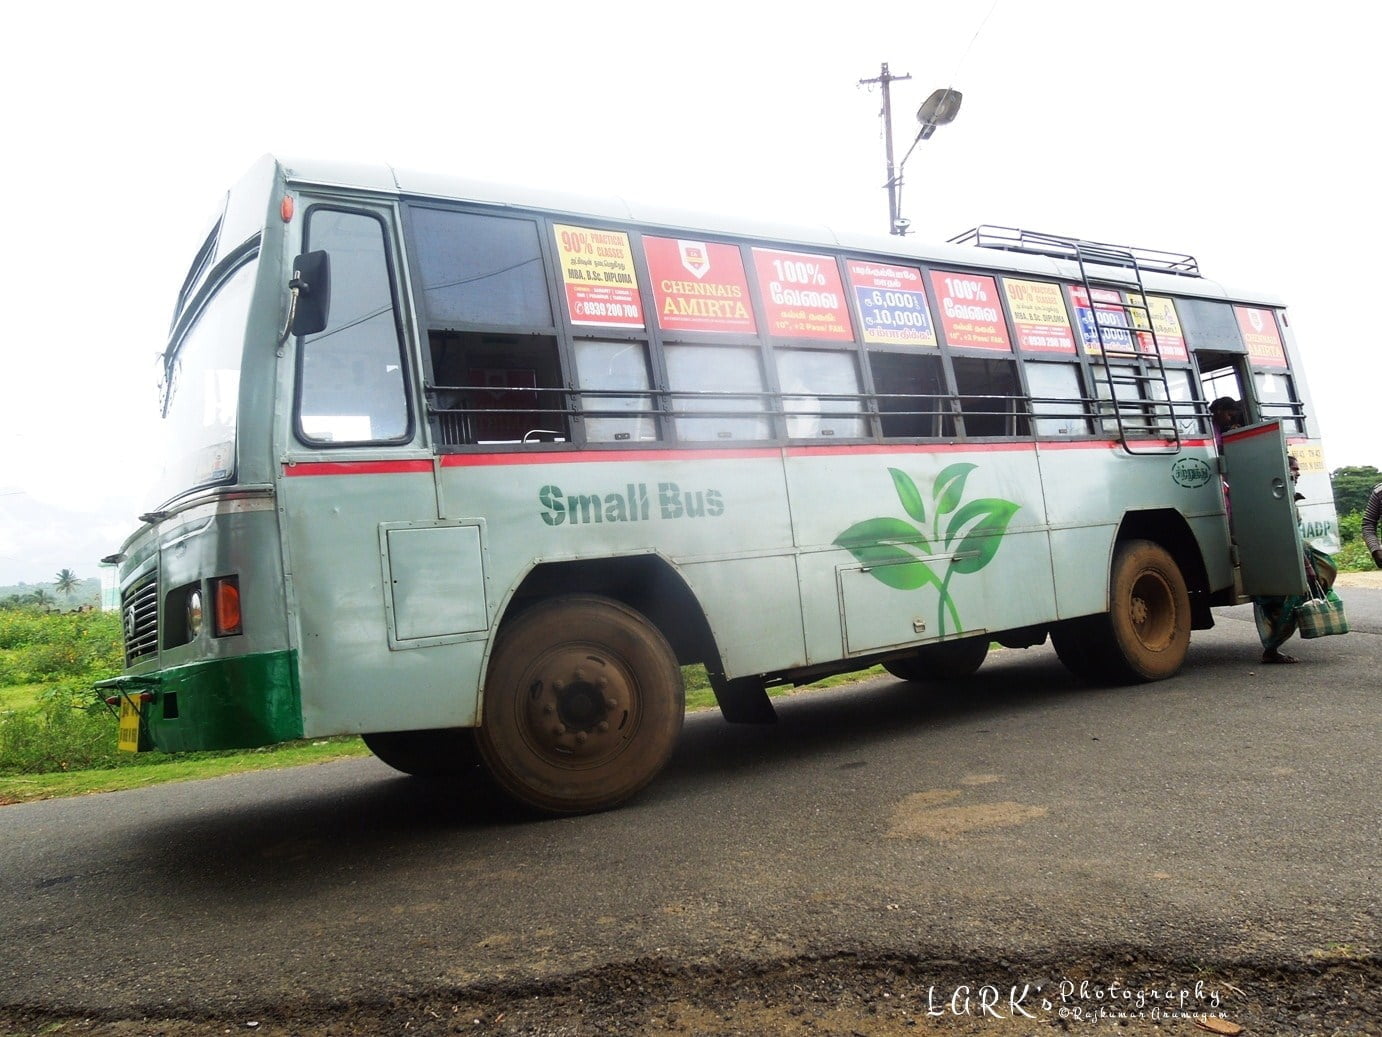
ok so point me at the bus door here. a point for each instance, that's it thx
(371, 568)
(1263, 511)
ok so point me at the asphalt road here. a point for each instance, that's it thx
(1231, 814)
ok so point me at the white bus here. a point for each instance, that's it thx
(470, 470)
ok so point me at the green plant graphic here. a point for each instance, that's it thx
(893, 549)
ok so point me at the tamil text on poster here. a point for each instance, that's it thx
(802, 295)
(598, 274)
(969, 311)
(892, 304)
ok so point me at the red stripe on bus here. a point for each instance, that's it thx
(1269, 429)
(1113, 444)
(302, 468)
(604, 456)
(355, 467)
(908, 448)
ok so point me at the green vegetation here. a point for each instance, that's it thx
(1352, 487)
(1353, 556)
(58, 739)
(75, 593)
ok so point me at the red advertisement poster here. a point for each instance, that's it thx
(1039, 316)
(970, 312)
(1261, 336)
(699, 286)
(892, 304)
(802, 295)
(597, 272)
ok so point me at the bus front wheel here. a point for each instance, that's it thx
(582, 707)
(948, 660)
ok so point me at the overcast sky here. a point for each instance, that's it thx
(1240, 132)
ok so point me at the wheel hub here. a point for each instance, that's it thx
(1153, 611)
(579, 707)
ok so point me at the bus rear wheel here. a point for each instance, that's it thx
(426, 754)
(1146, 633)
(583, 705)
(1150, 614)
(949, 660)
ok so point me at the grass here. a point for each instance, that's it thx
(188, 767)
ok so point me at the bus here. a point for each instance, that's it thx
(472, 470)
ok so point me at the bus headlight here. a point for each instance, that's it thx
(194, 615)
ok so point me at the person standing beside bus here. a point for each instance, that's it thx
(1371, 514)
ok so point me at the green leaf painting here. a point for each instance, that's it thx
(900, 555)
(908, 493)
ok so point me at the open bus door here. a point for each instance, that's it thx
(1263, 512)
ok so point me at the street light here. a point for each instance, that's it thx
(937, 110)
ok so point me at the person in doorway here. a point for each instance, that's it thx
(1275, 615)
(1371, 514)
(1225, 413)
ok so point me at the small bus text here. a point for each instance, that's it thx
(635, 504)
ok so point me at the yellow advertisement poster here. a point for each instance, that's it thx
(1169, 338)
(598, 274)
(1039, 315)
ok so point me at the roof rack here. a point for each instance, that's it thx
(1059, 246)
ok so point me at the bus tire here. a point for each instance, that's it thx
(948, 660)
(583, 704)
(426, 754)
(1076, 642)
(1149, 614)
(1146, 632)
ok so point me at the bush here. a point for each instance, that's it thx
(52, 647)
(1353, 554)
(69, 731)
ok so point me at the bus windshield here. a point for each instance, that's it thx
(202, 387)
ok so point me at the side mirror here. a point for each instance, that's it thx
(311, 287)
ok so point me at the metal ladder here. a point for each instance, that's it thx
(1120, 272)
(1158, 432)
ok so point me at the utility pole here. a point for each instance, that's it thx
(886, 79)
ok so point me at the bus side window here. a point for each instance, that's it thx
(351, 383)
(1184, 408)
(1276, 399)
(723, 387)
(1057, 399)
(496, 388)
(990, 398)
(910, 390)
(820, 393)
(606, 371)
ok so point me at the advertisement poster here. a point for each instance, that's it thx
(1168, 335)
(597, 270)
(802, 295)
(1112, 319)
(1039, 316)
(892, 304)
(1261, 336)
(970, 312)
(699, 286)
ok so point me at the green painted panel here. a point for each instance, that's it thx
(236, 703)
